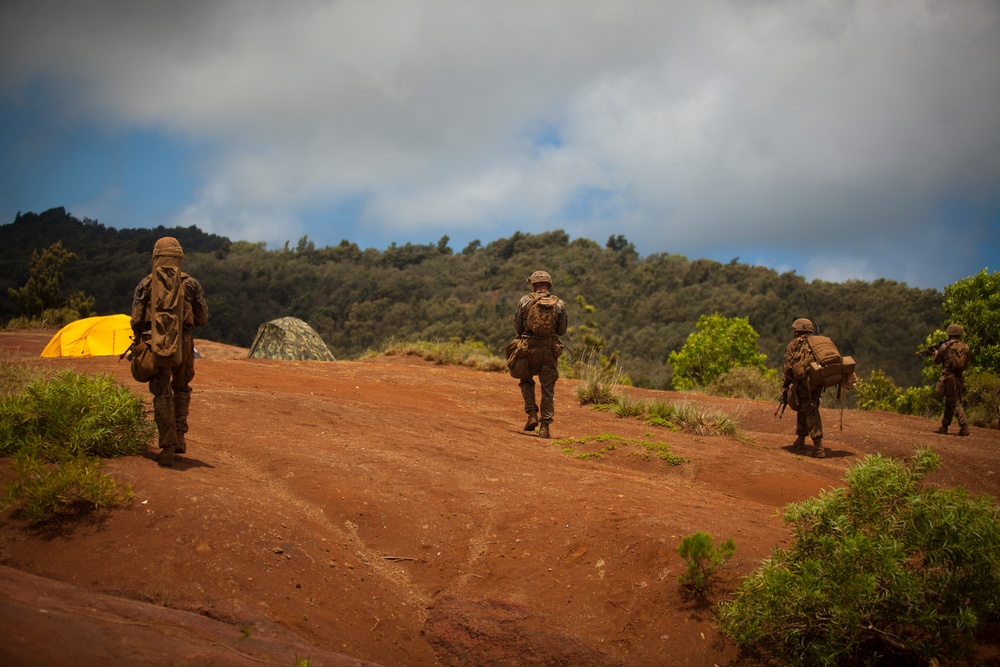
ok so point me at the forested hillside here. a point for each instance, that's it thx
(359, 298)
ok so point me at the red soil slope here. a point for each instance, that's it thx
(391, 511)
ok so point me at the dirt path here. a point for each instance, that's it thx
(392, 511)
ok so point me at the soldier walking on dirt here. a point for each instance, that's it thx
(539, 320)
(953, 356)
(166, 304)
(803, 397)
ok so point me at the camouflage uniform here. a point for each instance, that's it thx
(171, 386)
(808, 421)
(951, 382)
(543, 353)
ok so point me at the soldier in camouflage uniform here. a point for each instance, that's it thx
(171, 386)
(543, 350)
(808, 422)
(953, 356)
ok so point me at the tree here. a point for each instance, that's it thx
(41, 292)
(719, 344)
(974, 302)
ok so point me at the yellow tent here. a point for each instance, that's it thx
(91, 337)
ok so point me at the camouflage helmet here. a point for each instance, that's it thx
(168, 246)
(540, 277)
(954, 330)
(802, 325)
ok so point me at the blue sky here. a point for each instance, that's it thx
(839, 139)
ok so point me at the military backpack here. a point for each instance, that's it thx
(540, 319)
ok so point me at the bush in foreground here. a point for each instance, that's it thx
(57, 429)
(884, 571)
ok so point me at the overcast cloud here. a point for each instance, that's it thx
(837, 139)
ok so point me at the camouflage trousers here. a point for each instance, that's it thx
(953, 409)
(807, 420)
(542, 362)
(171, 390)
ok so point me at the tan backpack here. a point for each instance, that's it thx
(827, 367)
(541, 316)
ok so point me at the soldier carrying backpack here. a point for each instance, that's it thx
(953, 356)
(811, 364)
(539, 320)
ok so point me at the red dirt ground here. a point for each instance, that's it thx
(391, 511)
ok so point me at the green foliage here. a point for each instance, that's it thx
(919, 401)
(974, 302)
(74, 414)
(719, 344)
(42, 289)
(584, 448)
(600, 383)
(747, 382)
(357, 299)
(878, 392)
(982, 399)
(44, 490)
(56, 429)
(703, 559)
(682, 416)
(455, 352)
(884, 571)
(627, 405)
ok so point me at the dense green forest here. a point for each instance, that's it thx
(357, 299)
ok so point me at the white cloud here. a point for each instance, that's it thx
(696, 120)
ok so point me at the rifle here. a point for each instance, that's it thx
(932, 349)
(129, 351)
(782, 404)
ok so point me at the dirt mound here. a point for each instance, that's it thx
(392, 511)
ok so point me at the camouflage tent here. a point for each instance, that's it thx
(288, 338)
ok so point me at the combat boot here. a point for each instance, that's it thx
(532, 422)
(799, 444)
(166, 457)
(543, 431)
(820, 451)
(965, 430)
(943, 429)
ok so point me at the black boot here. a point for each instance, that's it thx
(543, 431)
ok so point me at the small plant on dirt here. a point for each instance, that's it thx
(626, 405)
(703, 559)
(302, 662)
(454, 351)
(884, 571)
(57, 429)
(660, 450)
(600, 383)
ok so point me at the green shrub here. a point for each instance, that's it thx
(878, 392)
(703, 559)
(919, 401)
(74, 414)
(982, 399)
(600, 382)
(455, 352)
(44, 490)
(884, 571)
(57, 429)
(747, 382)
(626, 405)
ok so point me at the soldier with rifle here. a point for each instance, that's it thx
(953, 357)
